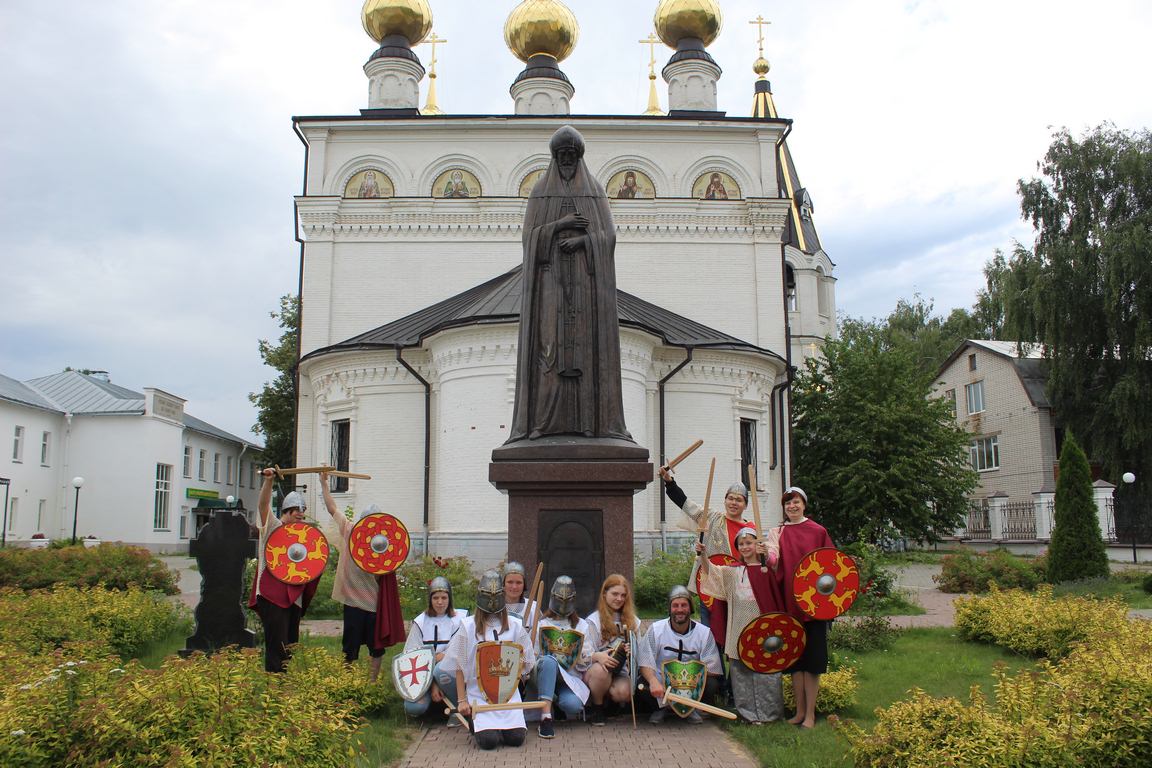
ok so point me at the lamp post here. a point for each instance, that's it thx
(1129, 479)
(77, 483)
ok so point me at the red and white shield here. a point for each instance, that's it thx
(412, 673)
(498, 670)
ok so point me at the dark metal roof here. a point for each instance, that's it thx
(498, 301)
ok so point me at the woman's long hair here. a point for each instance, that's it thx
(608, 616)
(573, 618)
(449, 611)
(482, 621)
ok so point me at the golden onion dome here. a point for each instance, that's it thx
(541, 26)
(678, 19)
(410, 18)
(761, 66)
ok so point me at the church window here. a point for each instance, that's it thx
(341, 443)
(790, 287)
(747, 449)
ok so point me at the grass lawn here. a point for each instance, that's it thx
(932, 659)
(1117, 586)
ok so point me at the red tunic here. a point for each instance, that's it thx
(796, 541)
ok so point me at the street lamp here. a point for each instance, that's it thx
(1129, 479)
(77, 483)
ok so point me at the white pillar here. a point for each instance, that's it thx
(1102, 493)
(996, 504)
(542, 96)
(1042, 506)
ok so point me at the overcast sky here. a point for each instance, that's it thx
(148, 163)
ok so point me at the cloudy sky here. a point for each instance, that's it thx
(148, 163)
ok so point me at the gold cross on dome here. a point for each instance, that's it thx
(651, 42)
(433, 40)
(760, 24)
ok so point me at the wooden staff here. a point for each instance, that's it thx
(532, 591)
(707, 496)
(684, 454)
(510, 705)
(452, 709)
(756, 514)
(678, 699)
(318, 470)
(536, 617)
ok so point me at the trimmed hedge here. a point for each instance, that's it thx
(113, 566)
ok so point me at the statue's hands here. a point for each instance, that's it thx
(573, 221)
(571, 244)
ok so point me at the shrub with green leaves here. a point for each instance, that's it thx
(655, 577)
(1147, 584)
(970, 572)
(114, 566)
(1091, 708)
(862, 633)
(837, 690)
(117, 622)
(415, 574)
(222, 711)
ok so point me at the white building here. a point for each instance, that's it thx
(144, 461)
(411, 224)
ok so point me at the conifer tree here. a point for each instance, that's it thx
(1077, 548)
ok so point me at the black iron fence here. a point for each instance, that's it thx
(1129, 520)
(978, 525)
(1019, 521)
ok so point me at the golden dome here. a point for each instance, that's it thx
(410, 18)
(761, 66)
(541, 26)
(678, 19)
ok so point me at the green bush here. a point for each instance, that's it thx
(969, 572)
(837, 690)
(114, 566)
(1148, 584)
(117, 622)
(877, 582)
(860, 634)
(222, 711)
(1077, 549)
(656, 576)
(415, 574)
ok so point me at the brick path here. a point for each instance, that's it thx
(577, 745)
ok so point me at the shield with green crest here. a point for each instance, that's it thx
(686, 678)
(561, 644)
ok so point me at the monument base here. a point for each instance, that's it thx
(570, 507)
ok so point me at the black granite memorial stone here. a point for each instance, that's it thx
(221, 549)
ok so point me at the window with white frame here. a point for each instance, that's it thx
(950, 397)
(975, 395)
(341, 448)
(228, 471)
(40, 514)
(985, 453)
(747, 448)
(187, 461)
(45, 448)
(13, 511)
(215, 467)
(18, 445)
(203, 463)
(163, 497)
(185, 521)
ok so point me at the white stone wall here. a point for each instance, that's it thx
(32, 481)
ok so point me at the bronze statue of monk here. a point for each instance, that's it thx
(568, 361)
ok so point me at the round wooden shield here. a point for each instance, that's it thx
(826, 583)
(379, 543)
(771, 642)
(296, 553)
(706, 599)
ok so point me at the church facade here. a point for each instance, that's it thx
(411, 226)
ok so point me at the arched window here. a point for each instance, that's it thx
(790, 287)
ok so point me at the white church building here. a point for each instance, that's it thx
(411, 226)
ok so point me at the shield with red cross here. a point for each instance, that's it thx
(412, 673)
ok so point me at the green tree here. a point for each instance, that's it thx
(928, 338)
(877, 456)
(276, 402)
(1084, 289)
(1077, 550)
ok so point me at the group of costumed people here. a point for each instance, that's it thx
(590, 678)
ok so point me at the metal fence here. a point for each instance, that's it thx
(1129, 521)
(1019, 520)
(977, 525)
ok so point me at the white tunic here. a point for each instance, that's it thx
(524, 611)
(432, 632)
(662, 643)
(594, 630)
(574, 677)
(461, 654)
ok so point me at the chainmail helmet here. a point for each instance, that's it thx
(512, 567)
(562, 598)
(739, 489)
(293, 500)
(681, 591)
(440, 584)
(490, 592)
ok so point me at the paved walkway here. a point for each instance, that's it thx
(916, 578)
(577, 745)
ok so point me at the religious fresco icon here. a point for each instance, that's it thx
(529, 182)
(456, 183)
(368, 184)
(630, 185)
(715, 185)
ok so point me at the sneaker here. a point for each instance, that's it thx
(546, 729)
(596, 716)
(657, 717)
(694, 718)
(453, 722)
